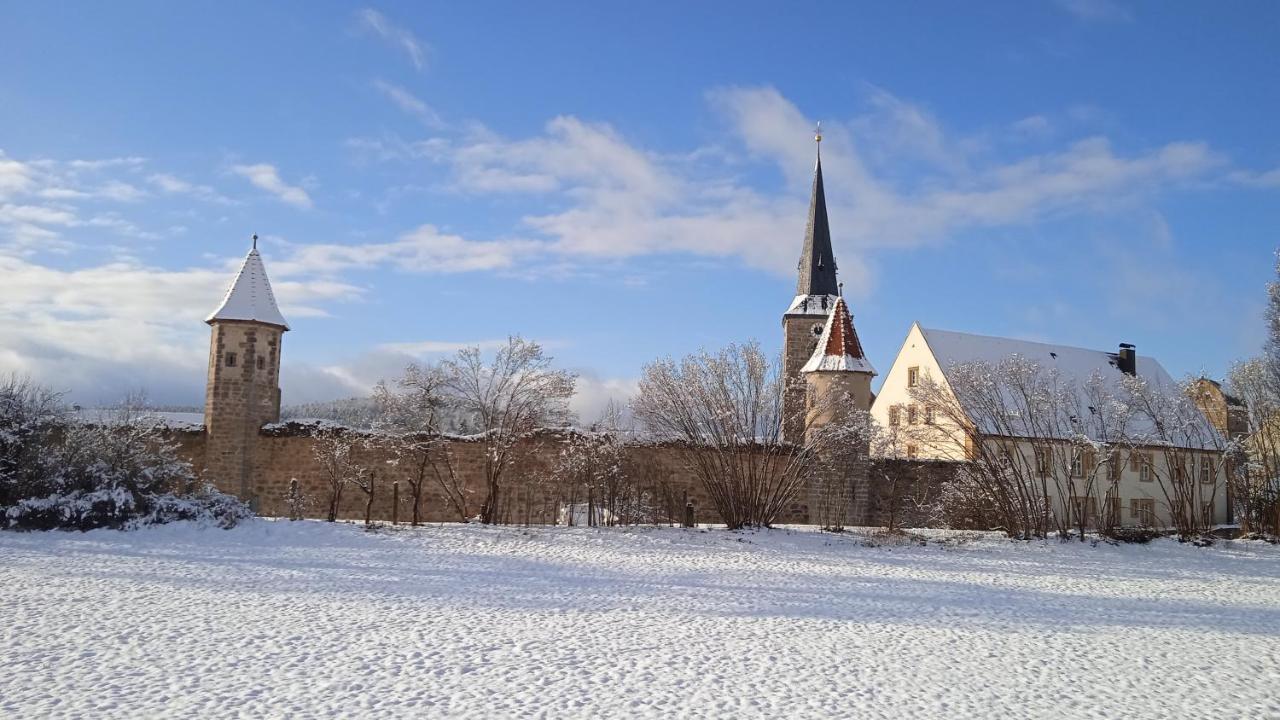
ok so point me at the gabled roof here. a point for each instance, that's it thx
(838, 349)
(250, 297)
(1074, 365)
(950, 348)
(817, 267)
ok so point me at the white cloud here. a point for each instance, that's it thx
(15, 177)
(1096, 10)
(123, 324)
(266, 177)
(409, 103)
(1267, 179)
(617, 200)
(438, 347)
(593, 394)
(173, 185)
(424, 249)
(1033, 126)
(398, 37)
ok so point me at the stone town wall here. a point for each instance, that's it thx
(287, 452)
(906, 492)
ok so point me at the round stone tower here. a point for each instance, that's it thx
(838, 374)
(243, 389)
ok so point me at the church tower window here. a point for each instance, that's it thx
(229, 359)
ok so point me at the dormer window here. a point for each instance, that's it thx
(229, 359)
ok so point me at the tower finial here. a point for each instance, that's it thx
(255, 241)
(817, 138)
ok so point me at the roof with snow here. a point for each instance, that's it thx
(250, 297)
(838, 349)
(1075, 366)
(953, 348)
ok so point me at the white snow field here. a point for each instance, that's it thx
(308, 619)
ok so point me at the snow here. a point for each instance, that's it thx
(950, 347)
(250, 296)
(815, 305)
(171, 420)
(308, 619)
(837, 363)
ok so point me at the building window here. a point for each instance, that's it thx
(1084, 509)
(229, 359)
(895, 416)
(1144, 509)
(1042, 461)
(913, 376)
(912, 416)
(1206, 470)
(1077, 464)
(1141, 462)
(1115, 466)
(262, 363)
(912, 450)
(928, 414)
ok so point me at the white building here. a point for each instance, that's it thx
(1132, 480)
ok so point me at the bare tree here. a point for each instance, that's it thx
(335, 451)
(513, 393)
(588, 475)
(725, 410)
(993, 412)
(1168, 425)
(1255, 477)
(414, 418)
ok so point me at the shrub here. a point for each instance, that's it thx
(121, 472)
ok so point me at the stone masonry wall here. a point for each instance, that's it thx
(282, 455)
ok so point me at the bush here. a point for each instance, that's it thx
(121, 472)
(1138, 535)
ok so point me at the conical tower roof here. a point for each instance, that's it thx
(250, 298)
(817, 267)
(838, 349)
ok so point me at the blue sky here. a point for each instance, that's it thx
(624, 183)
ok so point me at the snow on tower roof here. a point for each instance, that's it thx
(250, 297)
(838, 349)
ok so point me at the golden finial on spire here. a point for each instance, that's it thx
(817, 132)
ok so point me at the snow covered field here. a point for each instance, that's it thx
(307, 619)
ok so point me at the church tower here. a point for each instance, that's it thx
(243, 390)
(806, 318)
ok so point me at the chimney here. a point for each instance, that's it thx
(1127, 359)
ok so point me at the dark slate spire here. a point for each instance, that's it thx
(817, 263)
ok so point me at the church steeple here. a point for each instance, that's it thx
(817, 266)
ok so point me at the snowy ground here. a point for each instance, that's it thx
(308, 619)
